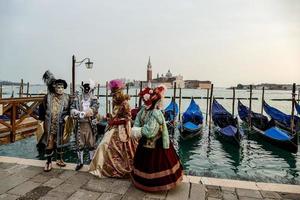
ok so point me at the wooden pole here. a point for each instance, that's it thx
(141, 88)
(136, 94)
(262, 100)
(174, 99)
(179, 104)
(207, 102)
(210, 105)
(250, 107)
(106, 97)
(233, 100)
(109, 106)
(27, 89)
(21, 89)
(0, 91)
(13, 123)
(293, 107)
(98, 91)
(13, 91)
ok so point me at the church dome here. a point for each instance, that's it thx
(168, 74)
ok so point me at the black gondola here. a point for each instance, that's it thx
(226, 125)
(268, 130)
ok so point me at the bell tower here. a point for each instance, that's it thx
(149, 71)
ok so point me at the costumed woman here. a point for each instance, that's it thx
(54, 111)
(84, 109)
(156, 165)
(114, 155)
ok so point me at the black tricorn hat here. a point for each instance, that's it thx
(61, 81)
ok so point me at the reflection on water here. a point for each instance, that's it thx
(207, 155)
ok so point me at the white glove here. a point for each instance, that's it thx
(95, 121)
(136, 132)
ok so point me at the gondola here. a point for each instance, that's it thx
(170, 115)
(281, 119)
(192, 121)
(268, 130)
(227, 127)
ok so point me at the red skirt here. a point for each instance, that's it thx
(156, 169)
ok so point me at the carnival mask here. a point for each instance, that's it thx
(59, 89)
(86, 88)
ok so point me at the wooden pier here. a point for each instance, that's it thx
(23, 118)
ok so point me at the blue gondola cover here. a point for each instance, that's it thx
(278, 134)
(279, 116)
(193, 114)
(169, 111)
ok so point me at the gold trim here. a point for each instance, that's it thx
(157, 188)
(157, 174)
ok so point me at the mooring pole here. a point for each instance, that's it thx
(293, 125)
(179, 116)
(106, 97)
(233, 100)
(27, 89)
(250, 107)
(140, 99)
(207, 102)
(210, 106)
(262, 100)
(98, 91)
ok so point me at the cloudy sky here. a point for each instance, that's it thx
(227, 42)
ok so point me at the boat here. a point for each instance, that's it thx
(170, 115)
(281, 119)
(268, 130)
(192, 121)
(227, 126)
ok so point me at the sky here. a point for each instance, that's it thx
(226, 42)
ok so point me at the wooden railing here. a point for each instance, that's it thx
(17, 110)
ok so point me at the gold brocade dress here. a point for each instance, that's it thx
(114, 155)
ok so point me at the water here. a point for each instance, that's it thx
(207, 155)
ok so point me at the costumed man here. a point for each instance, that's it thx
(156, 165)
(54, 111)
(84, 109)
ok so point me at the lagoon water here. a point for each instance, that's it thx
(207, 155)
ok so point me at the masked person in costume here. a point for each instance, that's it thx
(54, 111)
(84, 109)
(156, 164)
(114, 155)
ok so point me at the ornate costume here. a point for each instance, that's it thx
(54, 111)
(84, 108)
(156, 164)
(114, 155)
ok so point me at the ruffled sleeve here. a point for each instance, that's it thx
(152, 126)
(137, 121)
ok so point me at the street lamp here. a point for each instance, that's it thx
(88, 64)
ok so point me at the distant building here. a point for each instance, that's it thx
(149, 71)
(195, 84)
(267, 86)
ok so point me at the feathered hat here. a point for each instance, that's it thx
(88, 87)
(49, 80)
(152, 96)
(116, 85)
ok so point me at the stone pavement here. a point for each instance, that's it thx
(19, 181)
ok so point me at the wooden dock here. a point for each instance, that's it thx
(23, 116)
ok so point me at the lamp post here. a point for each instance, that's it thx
(88, 64)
